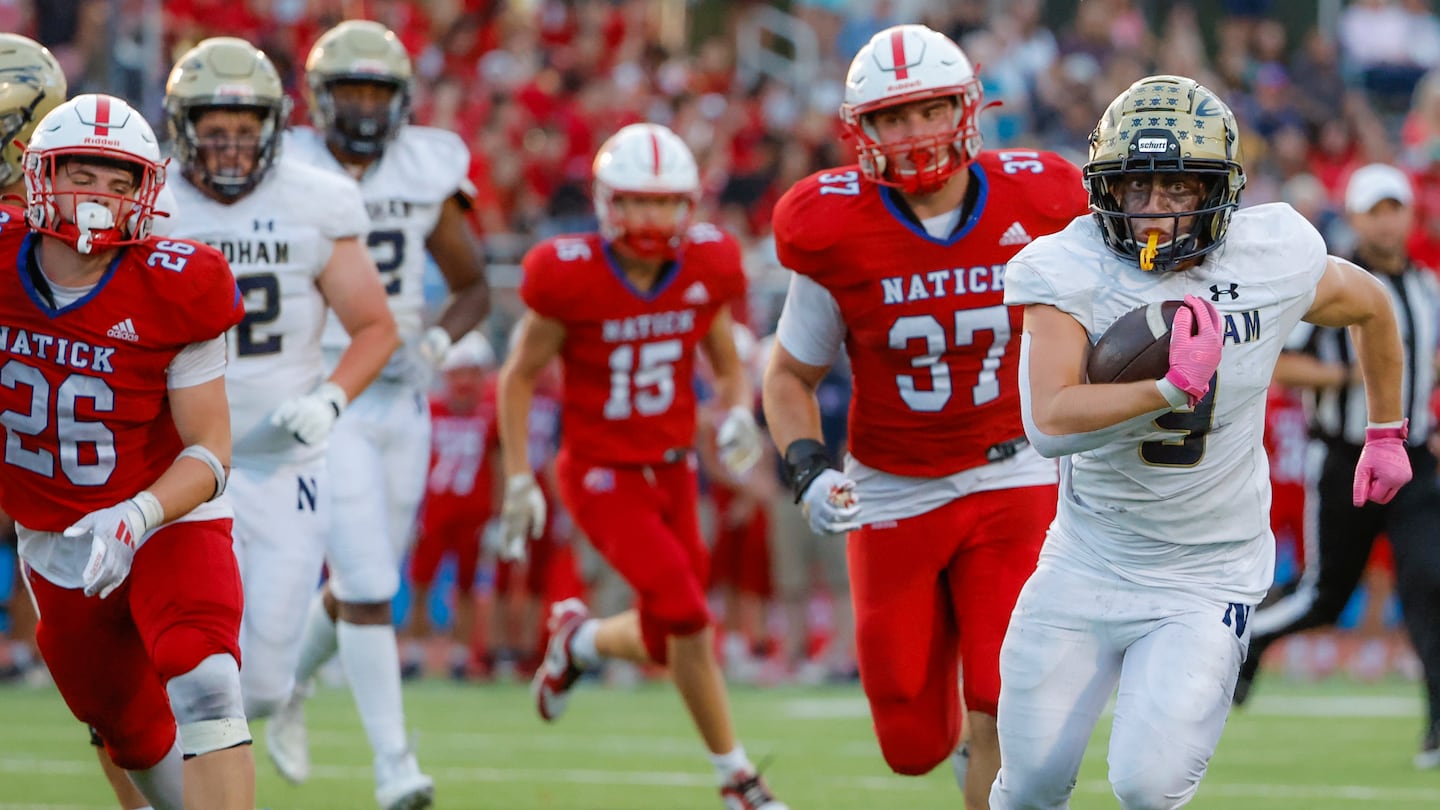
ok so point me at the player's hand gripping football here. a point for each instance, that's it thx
(116, 533)
(1194, 357)
(311, 417)
(739, 441)
(831, 504)
(522, 516)
(1384, 466)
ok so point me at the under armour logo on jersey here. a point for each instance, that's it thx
(265, 225)
(1216, 292)
(696, 294)
(1015, 235)
(124, 330)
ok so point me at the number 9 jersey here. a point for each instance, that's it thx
(84, 388)
(933, 349)
(629, 357)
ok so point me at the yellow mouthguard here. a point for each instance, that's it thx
(1149, 252)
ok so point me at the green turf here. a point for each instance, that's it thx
(1315, 747)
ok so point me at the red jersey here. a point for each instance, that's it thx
(934, 351)
(629, 357)
(460, 444)
(1287, 436)
(83, 390)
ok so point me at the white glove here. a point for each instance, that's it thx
(739, 441)
(522, 516)
(116, 533)
(492, 537)
(830, 504)
(310, 417)
(433, 346)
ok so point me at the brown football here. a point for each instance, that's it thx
(1135, 347)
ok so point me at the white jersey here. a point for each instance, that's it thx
(278, 239)
(404, 191)
(1182, 501)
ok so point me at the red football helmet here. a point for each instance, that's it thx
(903, 64)
(102, 128)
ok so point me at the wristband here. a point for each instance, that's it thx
(805, 459)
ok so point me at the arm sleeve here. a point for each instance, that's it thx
(1054, 446)
(810, 327)
(197, 363)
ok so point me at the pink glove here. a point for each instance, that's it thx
(1384, 466)
(1194, 357)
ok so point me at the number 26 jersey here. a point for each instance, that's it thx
(629, 357)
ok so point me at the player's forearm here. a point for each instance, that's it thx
(791, 410)
(467, 307)
(370, 348)
(732, 390)
(188, 483)
(515, 395)
(1086, 408)
(1382, 362)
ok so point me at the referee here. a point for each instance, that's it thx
(1378, 201)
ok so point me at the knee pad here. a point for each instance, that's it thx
(207, 706)
(377, 583)
(1153, 790)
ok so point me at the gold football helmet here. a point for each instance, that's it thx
(228, 73)
(1165, 124)
(358, 52)
(31, 85)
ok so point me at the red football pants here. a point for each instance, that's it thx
(112, 657)
(933, 593)
(450, 531)
(644, 522)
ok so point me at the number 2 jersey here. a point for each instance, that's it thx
(933, 348)
(83, 389)
(629, 357)
(404, 192)
(278, 239)
(1181, 500)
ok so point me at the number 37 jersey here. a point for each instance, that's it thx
(629, 357)
(933, 349)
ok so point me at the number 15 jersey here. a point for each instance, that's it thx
(629, 357)
(933, 349)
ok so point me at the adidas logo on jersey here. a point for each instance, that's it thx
(124, 330)
(696, 294)
(1015, 235)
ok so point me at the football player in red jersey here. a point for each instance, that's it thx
(625, 309)
(901, 259)
(117, 431)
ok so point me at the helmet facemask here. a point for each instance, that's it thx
(935, 158)
(362, 128)
(646, 242)
(12, 124)
(91, 227)
(196, 149)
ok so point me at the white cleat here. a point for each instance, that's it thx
(558, 673)
(401, 786)
(287, 741)
(748, 791)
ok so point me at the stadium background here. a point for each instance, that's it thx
(534, 86)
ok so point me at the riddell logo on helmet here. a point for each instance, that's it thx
(91, 140)
(903, 85)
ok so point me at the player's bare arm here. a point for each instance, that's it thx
(732, 386)
(1349, 296)
(463, 266)
(1060, 401)
(352, 288)
(202, 417)
(1301, 370)
(540, 341)
(788, 397)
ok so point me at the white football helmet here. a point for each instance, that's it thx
(101, 129)
(902, 64)
(471, 351)
(645, 159)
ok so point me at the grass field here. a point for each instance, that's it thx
(1316, 747)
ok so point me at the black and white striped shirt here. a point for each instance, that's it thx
(1339, 414)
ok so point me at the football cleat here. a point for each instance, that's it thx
(287, 742)
(558, 673)
(1429, 756)
(747, 791)
(401, 786)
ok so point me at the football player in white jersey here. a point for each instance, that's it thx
(413, 180)
(292, 234)
(1161, 545)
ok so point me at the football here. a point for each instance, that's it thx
(1135, 347)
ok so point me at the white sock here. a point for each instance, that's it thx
(371, 660)
(317, 644)
(162, 784)
(582, 645)
(727, 765)
(459, 655)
